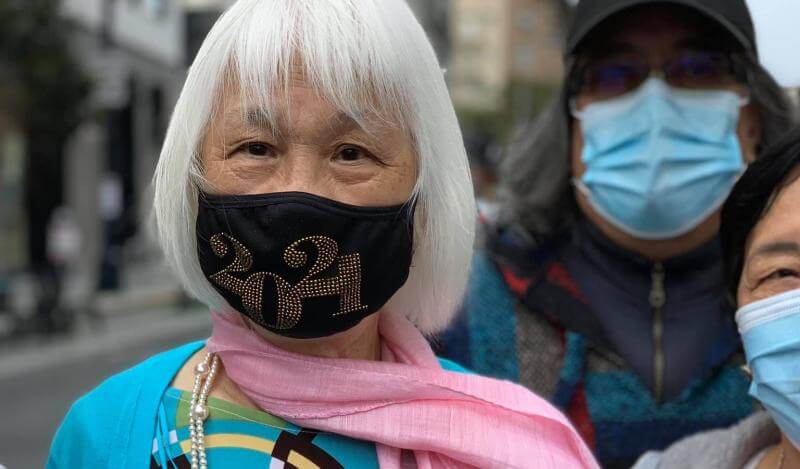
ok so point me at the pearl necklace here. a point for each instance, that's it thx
(204, 374)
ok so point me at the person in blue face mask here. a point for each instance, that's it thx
(599, 284)
(761, 243)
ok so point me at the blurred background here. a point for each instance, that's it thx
(86, 90)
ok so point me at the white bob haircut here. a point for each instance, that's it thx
(364, 57)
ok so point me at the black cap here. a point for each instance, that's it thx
(732, 15)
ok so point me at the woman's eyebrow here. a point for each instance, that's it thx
(257, 118)
(339, 123)
(253, 119)
(777, 248)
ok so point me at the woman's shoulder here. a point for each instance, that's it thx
(729, 447)
(106, 420)
(450, 365)
(160, 368)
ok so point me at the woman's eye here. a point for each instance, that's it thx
(352, 154)
(256, 149)
(782, 273)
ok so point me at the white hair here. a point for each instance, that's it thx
(362, 56)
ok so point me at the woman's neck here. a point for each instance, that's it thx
(791, 455)
(361, 342)
(783, 455)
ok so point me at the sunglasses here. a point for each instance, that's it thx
(611, 77)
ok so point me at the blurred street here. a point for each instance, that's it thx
(40, 378)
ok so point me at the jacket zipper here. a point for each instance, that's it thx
(658, 297)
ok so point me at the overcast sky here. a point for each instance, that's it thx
(778, 30)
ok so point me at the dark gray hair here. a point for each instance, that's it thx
(536, 195)
(752, 198)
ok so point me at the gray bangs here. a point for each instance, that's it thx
(350, 62)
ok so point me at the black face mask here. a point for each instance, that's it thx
(300, 265)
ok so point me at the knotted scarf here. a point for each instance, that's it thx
(405, 402)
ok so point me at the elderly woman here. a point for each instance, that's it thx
(600, 284)
(313, 190)
(761, 243)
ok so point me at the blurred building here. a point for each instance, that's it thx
(133, 51)
(501, 43)
(200, 17)
(432, 14)
(12, 226)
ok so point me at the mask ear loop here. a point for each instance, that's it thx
(745, 100)
(573, 109)
(572, 105)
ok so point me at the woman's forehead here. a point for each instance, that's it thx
(296, 104)
(781, 223)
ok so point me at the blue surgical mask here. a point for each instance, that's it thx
(659, 161)
(770, 332)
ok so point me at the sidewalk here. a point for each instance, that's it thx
(149, 284)
(150, 304)
(96, 338)
(146, 285)
(41, 377)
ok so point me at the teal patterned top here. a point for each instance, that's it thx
(237, 437)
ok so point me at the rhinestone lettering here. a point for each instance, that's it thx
(346, 284)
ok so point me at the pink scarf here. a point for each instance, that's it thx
(405, 402)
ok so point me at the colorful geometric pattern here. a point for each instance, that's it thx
(237, 437)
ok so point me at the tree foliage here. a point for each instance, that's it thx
(49, 85)
(48, 89)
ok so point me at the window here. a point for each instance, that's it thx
(157, 8)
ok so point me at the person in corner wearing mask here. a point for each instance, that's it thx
(600, 283)
(761, 245)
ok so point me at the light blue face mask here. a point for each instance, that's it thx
(659, 161)
(770, 332)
